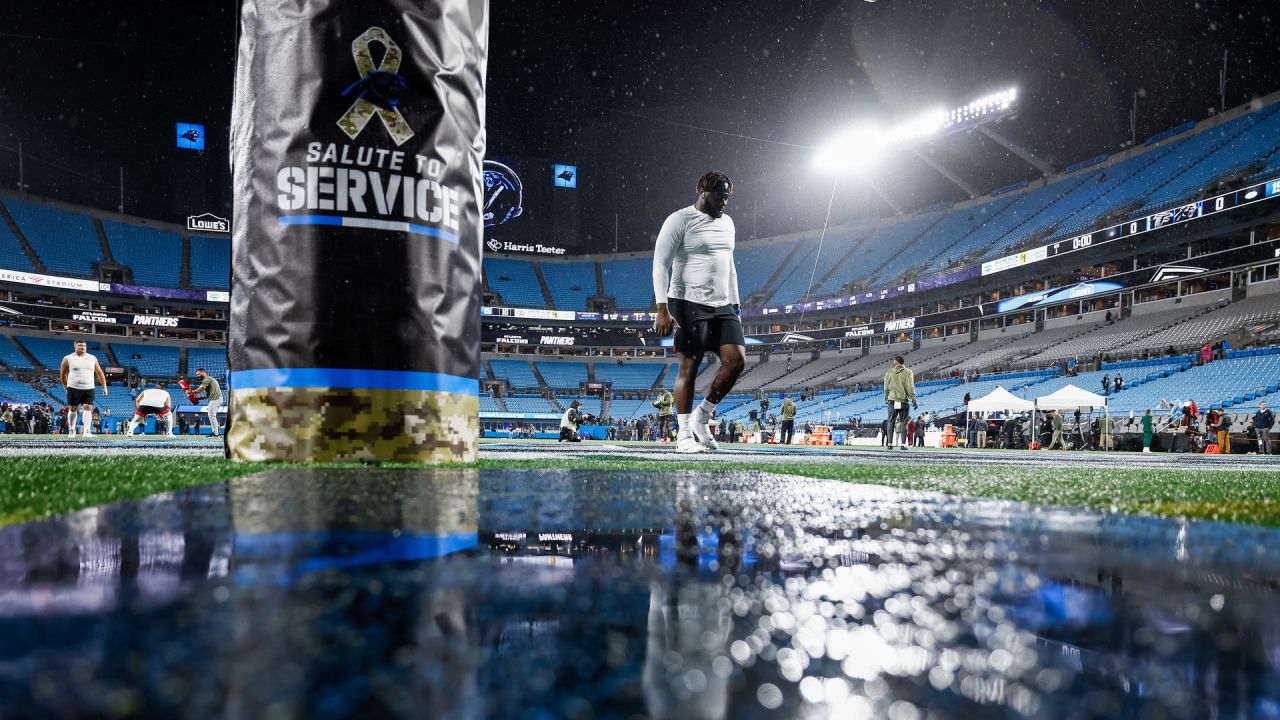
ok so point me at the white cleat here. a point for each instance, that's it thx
(686, 444)
(698, 425)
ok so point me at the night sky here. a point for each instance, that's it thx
(644, 100)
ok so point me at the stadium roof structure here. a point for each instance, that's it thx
(1070, 398)
(1001, 399)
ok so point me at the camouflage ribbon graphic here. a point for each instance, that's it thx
(378, 89)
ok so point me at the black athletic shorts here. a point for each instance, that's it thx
(703, 328)
(145, 410)
(77, 397)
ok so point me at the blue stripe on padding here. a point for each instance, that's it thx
(369, 223)
(310, 220)
(354, 379)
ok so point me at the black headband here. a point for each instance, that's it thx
(718, 186)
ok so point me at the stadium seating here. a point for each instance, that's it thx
(515, 281)
(792, 283)
(933, 242)
(900, 238)
(620, 409)
(629, 282)
(488, 404)
(570, 283)
(591, 404)
(524, 403)
(214, 361)
(50, 351)
(1020, 211)
(66, 242)
(11, 255)
(1216, 384)
(630, 376)
(155, 256)
(1213, 326)
(210, 263)
(841, 241)
(11, 355)
(563, 375)
(12, 390)
(118, 401)
(152, 361)
(758, 262)
(1132, 334)
(765, 374)
(517, 373)
(1239, 143)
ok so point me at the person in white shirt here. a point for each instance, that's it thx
(152, 401)
(79, 371)
(695, 284)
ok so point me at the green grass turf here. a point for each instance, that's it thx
(33, 487)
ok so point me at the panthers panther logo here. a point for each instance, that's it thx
(503, 194)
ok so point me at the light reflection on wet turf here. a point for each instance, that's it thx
(558, 593)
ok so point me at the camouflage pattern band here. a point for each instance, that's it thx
(310, 424)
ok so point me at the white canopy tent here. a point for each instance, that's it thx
(1069, 398)
(998, 400)
(1001, 400)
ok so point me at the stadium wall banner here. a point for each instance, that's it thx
(55, 282)
(166, 293)
(50, 281)
(357, 145)
(103, 317)
(532, 313)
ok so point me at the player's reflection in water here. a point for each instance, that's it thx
(687, 667)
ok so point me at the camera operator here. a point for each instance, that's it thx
(570, 421)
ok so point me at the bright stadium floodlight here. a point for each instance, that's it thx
(861, 146)
(855, 149)
(930, 123)
(984, 109)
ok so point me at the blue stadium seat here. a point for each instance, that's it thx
(517, 373)
(629, 282)
(561, 375)
(152, 361)
(11, 356)
(522, 403)
(570, 283)
(515, 282)
(634, 376)
(50, 351)
(11, 255)
(66, 242)
(214, 361)
(154, 255)
(758, 262)
(18, 391)
(210, 263)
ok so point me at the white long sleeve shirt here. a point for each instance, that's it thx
(697, 250)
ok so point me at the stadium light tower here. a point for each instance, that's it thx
(862, 146)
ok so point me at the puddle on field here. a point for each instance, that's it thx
(590, 594)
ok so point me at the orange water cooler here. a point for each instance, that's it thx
(821, 435)
(948, 436)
